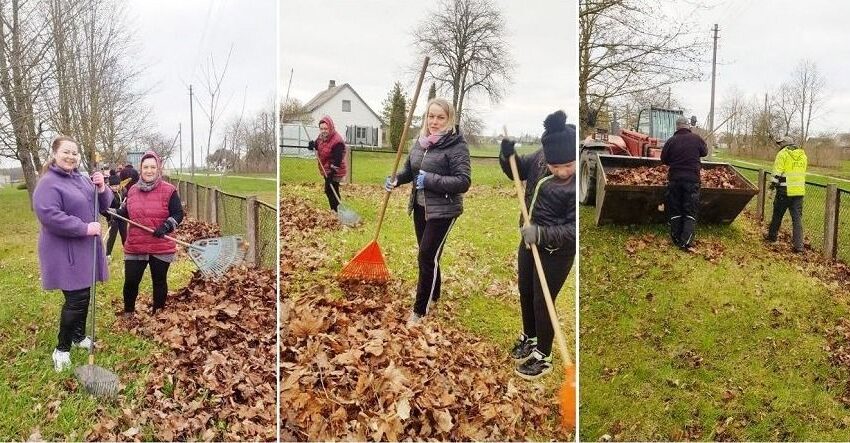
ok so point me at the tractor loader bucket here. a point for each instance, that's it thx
(631, 204)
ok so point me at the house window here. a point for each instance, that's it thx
(359, 132)
(346, 106)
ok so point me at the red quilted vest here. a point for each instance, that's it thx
(149, 209)
(325, 149)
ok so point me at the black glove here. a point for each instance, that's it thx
(311, 145)
(771, 186)
(166, 227)
(507, 148)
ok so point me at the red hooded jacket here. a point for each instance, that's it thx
(149, 209)
(327, 150)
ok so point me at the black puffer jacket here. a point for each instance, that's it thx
(682, 152)
(554, 211)
(448, 175)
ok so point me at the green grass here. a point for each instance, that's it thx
(33, 396)
(258, 185)
(479, 261)
(757, 318)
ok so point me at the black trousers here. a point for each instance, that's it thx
(330, 187)
(133, 272)
(72, 319)
(682, 206)
(535, 316)
(794, 205)
(116, 227)
(431, 236)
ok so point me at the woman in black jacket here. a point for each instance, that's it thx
(550, 196)
(438, 166)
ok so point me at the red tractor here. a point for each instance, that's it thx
(655, 126)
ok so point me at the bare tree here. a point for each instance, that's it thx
(785, 106)
(211, 80)
(628, 47)
(25, 70)
(293, 111)
(465, 40)
(808, 88)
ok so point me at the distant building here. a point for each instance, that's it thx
(354, 119)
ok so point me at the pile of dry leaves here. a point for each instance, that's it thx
(298, 222)
(216, 378)
(353, 370)
(191, 230)
(717, 178)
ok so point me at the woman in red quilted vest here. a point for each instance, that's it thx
(330, 151)
(154, 203)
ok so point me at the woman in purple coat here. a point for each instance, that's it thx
(64, 204)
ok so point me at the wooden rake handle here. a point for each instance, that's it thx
(139, 225)
(401, 142)
(550, 306)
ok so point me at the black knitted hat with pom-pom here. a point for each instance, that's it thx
(559, 139)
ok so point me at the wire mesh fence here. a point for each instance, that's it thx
(235, 215)
(843, 240)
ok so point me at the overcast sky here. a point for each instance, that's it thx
(761, 42)
(175, 39)
(368, 44)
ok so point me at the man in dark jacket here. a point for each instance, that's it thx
(682, 154)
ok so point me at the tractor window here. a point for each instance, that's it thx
(665, 125)
(643, 122)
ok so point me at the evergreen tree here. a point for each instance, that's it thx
(394, 113)
(432, 91)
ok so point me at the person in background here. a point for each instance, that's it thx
(63, 201)
(116, 225)
(330, 152)
(789, 181)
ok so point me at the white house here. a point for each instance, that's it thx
(354, 119)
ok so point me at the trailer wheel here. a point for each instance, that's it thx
(587, 179)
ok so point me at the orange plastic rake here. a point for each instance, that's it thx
(369, 264)
(567, 393)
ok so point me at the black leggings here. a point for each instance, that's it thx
(431, 236)
(329, 192)
(133, 272)
(72, 319)
(116, 227)
(535, 316)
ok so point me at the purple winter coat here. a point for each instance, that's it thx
(64, 205)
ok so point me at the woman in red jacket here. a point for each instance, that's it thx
(330, 151)
(154, 203)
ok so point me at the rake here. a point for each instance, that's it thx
(213, 256)
(344, 213)
(96, 380)
(567, 393)
(369, 264)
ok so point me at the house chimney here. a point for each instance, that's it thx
(331, 84)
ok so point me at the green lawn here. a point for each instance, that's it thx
(675, 347)
(257, 184)
(479, 262)
(34, 397)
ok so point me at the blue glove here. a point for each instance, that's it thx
(390, 184)
(420, 180)
(530, 234)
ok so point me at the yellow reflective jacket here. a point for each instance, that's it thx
(789, 170)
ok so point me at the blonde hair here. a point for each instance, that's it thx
(447, 108)
(54, 146)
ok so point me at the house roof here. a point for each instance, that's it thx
(324, 96)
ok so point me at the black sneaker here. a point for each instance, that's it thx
(535, 367)
(522, 348)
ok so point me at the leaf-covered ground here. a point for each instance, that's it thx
(736, 340)
(350, 366)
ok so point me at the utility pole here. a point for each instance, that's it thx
(180, 146)
(192, 132)
(711, 108)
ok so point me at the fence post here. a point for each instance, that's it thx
(830, 225)
(252, 226)
(213, 205)
(349, 175)
(194, 208)
(762, 196)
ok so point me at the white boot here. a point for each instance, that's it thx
(85, 343)
(61, 360)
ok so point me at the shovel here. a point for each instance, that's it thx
(213, 256)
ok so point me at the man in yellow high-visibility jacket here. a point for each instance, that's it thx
(789, 180)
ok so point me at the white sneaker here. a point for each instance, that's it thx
(414, 319)
(109, 258)
(85, 343)
(61, 360)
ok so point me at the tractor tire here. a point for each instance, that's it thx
(587, 178)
